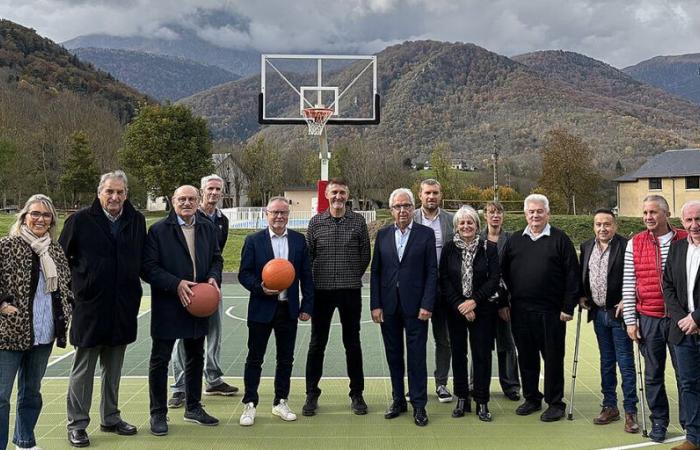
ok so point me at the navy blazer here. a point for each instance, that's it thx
(166, 262)
(414, 278)
(676, 289)
(256, 252)
(616, 267)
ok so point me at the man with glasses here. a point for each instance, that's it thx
(180, 252)
(403, 285)
(103, 244)
(339, 248)
(271, 310)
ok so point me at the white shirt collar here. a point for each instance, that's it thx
(275, 235)
(183, 223)
(546, 232)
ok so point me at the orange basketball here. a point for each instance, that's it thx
(204, 300)
(278, 274)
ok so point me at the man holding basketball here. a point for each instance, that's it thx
(339, 248)
(180, 251)
(271, 310)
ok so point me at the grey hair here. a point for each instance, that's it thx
(536, 198)
(400, 191)
(209, 178)
(430, 182)
(277, 199)
(467, 211)
(116, 175)
(36, 198)
(689, 204)
(659, 200)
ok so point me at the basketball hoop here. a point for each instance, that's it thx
(316, 119)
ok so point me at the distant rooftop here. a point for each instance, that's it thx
(671, 163)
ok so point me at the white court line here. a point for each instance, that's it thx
(70, 353)
(243, 319)
(646, 444)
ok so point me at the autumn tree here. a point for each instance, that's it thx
(262, 166)
(567, 170)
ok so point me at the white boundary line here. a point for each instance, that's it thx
(646, 444)
(230, 314)
(70, 353)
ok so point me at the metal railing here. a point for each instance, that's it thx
(255, 218)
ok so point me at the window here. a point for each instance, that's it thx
(654, 184)
(692, 182)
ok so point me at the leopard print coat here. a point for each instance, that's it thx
(16, 330)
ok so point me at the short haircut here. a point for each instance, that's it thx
(277, 198)
(493, 204)
(115, 175)
(659, 200)
(339, 181)
(464, 212)
(430, 182)
(605, 211)
(689, 204)
(208, 178)
(536, 198)
(36, 198)
(400, 191)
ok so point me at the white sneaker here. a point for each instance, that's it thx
(248, 417)
(17, 447)
(282, 410)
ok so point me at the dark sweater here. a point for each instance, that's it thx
(541, 275)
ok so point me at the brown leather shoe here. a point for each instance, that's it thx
(607, 415)
(631, 425)
(686, 445)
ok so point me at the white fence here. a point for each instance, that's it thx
(255, 218)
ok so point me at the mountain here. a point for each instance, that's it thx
(679, 75)
(37, 62)
(463, 95)
(161, 77)
(186, 44)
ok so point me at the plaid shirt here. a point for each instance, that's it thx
(339, 250)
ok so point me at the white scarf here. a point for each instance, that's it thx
(40, 246)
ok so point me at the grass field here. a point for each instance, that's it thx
(334, 426)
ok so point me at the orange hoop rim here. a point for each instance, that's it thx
(318, 114)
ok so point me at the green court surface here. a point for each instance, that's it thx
(335, 427)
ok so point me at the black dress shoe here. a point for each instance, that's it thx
(512, 395)
(464, 405)
(482, 410)
(358, 405)
(420, 417)
(121, 427)
(395, 409)
(552, 414)
(528, 408)
(311, 404)
(78, 438)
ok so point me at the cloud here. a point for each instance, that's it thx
(620, 32)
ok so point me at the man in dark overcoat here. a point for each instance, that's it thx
(103, 244)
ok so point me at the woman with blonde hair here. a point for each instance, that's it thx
(35, 308)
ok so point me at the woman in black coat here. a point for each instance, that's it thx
(469, 276)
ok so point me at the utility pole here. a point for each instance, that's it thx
(494, 157)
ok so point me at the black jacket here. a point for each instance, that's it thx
(676, 290)
(486, 276)
(105, 274)
(221, 223)
(616, 267)
(166, 262)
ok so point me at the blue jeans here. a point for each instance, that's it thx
(31, 366)
(615, 348)
(688, 357)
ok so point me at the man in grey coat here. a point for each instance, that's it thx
(431, 215)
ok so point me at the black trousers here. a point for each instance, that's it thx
(348, 302)
(482, 335)
(158, 373)
(285, 329)
(541, 333)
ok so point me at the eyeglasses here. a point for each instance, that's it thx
(278, 213)
(183, 200)
(406, 206)
(36, 214)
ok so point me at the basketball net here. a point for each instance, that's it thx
(316, 119)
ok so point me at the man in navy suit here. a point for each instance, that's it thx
(270, 310)
(402, 296)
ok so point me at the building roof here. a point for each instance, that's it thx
(669, 164)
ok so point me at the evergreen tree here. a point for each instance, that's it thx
(80, 173)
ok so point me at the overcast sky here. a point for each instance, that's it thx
(619, 32)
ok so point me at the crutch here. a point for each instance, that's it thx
(642, 397)
(570, 416)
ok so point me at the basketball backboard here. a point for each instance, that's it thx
(347, 84)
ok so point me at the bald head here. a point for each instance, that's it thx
(185, 200)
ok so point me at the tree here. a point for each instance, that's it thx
(80, 173)
(166, 147)
(262, 166)
(567, 170)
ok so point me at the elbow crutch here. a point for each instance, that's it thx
(570, 416)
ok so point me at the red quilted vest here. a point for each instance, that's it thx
(648, 272)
